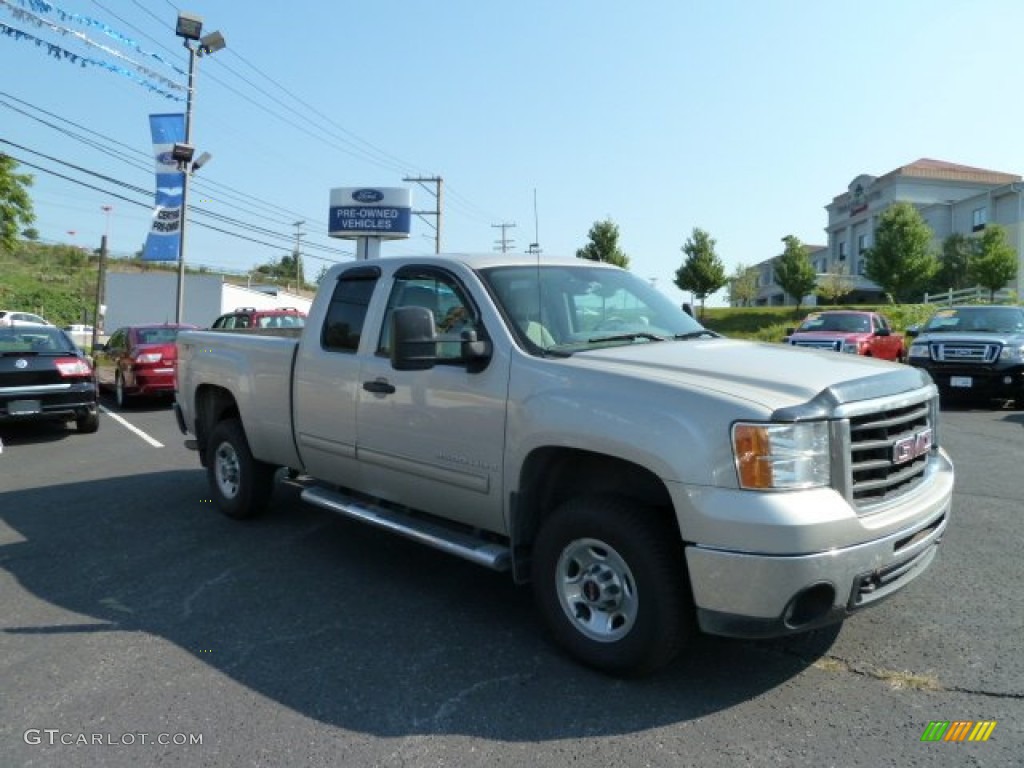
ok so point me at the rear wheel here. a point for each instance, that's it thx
(88, 423)
(609, 579)
(241, 484)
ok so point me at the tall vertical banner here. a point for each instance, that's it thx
(164, 239)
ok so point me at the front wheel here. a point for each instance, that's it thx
(609, 580)
(241, 484)
(120, 392)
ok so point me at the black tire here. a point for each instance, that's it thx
(89, 423)
(241, 485)
(609, 579)
(120, 396)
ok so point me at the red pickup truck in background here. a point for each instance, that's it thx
(852, 331)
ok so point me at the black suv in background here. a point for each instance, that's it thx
(973, 352)
(250, 318)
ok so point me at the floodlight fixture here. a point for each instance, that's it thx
(189, 26)
(183, 153)
(200, 161)
(211, 43)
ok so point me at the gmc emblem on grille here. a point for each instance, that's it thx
(911, 447)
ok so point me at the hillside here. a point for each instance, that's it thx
(59, 282)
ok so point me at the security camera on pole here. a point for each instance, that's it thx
(369, 215)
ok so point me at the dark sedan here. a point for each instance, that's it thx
(43, 375)
(139, 360)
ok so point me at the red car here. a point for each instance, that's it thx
(848, 330)
(139, 360)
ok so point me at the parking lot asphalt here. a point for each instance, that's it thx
(140, 627)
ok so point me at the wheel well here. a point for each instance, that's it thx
(213, 404)
(551, 476)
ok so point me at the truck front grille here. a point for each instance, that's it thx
(964, 352)
(889, 453)
(823, 344)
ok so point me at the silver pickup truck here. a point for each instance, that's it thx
(562, 420)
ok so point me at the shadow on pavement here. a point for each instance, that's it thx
(342, 623)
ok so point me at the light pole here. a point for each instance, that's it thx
(190, 28)
(101, 275)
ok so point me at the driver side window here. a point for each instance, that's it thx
(453, 314)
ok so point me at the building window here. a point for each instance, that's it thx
(860, 266)
(978, 219)
(862, 244)
(842, 250)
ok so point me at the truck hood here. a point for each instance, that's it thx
(971, 337)
(791, 382)
(828, 335)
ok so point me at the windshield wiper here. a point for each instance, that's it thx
(627, 337)
(696, 335)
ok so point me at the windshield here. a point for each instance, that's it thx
(977, 319)
(839, 322)
(566, 308)
(39, 340)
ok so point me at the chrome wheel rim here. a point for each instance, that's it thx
(596, 590)
(227, 470)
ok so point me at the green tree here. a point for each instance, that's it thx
(743, 285)
(835, 285)
(15, 203)
(604, 245)
(31, 234)
(957, 250)
(793, 270)
(901, 261)
(703, 272)
(994, 262)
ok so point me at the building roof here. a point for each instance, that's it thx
(927, 168)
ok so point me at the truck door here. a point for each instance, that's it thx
(434, 439)
(327, 381)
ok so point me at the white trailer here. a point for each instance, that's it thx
(134, 298)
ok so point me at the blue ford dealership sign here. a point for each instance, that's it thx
(382, 212)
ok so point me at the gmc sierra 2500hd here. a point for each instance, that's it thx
(562, 420)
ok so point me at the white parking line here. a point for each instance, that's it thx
(132, 428)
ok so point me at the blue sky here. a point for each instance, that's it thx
(742, 118)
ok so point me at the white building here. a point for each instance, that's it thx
(951, 198)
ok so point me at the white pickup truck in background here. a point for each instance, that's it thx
(565, 421)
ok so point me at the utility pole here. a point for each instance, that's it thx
(298, 255)
(437, 181)
(504, 244)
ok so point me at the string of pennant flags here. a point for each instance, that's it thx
(61, 53)
(41, 6)
(142, 75)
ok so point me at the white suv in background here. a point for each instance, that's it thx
(9, 318)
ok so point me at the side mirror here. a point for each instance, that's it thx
(883, 332)
(475, 352)
(913, 331)
(413, 339)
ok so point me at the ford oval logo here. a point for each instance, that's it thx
(21, 362)
(367, 195)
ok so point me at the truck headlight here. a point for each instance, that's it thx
(851, 347)
(781, 456)
(918, 350)
(1012, 352)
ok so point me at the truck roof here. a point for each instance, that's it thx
(484, 260)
